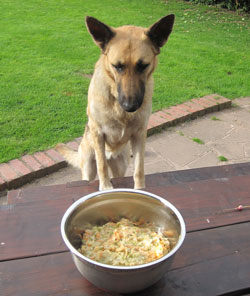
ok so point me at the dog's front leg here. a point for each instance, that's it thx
(101, 162)
(138, 147)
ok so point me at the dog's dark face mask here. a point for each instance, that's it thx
(130, 80)
(130, 75)
(131, 102)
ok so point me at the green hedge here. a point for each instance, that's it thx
(229, 4)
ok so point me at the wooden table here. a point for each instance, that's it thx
(214, 259)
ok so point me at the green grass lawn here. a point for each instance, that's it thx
(46, 52)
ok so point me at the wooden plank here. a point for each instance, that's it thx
(220, 276)
(152, 180)
(207, 204)
(211, 262)
(51, 192)
(190, 175)
(33, 228)
(46, 275)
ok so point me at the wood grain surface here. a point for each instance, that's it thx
(211, 262)
(214, 259)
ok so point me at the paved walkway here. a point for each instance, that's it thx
(220, 136)
(224, 135)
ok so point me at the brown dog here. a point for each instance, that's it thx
(119, 101)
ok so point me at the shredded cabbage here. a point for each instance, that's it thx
(125, 243)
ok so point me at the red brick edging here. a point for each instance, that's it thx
(18, 172)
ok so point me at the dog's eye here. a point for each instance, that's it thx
(141, 67)
(119, 67)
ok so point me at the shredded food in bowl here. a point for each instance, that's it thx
(126, 243)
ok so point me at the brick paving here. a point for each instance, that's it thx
(18, 172)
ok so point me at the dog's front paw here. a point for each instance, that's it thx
(105, 185)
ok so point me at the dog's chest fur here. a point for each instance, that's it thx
(116, 133)
(116, 128)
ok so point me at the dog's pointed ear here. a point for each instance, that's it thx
(159, 32)
(100, 32)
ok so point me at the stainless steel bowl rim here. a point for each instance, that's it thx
(86, 197)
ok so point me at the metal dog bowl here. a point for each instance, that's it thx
(97, 209)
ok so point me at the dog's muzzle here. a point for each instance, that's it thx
(131, 103)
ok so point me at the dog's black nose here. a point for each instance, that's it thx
(132, 100)
(129, 105)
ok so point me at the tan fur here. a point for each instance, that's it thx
(105, 145)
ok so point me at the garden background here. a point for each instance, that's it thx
(47, 58)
